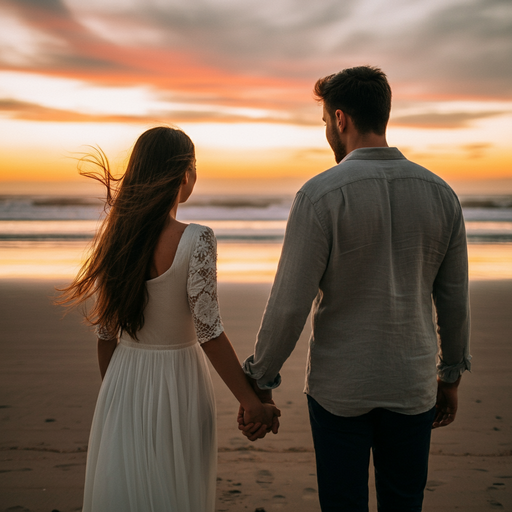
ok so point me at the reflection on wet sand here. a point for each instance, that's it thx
(237, 261)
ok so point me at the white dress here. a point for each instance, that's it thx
(153, 445)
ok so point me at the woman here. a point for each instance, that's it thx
(152, 445)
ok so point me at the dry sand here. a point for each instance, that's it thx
(49, 382)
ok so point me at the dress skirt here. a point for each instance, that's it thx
(153, 445)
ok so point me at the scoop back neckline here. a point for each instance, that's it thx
(178, 250)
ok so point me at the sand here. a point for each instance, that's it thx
(49, 382)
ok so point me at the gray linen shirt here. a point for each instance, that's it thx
(372, 243)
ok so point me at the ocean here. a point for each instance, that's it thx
(47, 236)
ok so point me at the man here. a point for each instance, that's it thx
(372, 243)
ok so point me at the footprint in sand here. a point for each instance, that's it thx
(279, 501)
(432, 484)
(66, 467)
(238, 441)
(264, 478)
(309, 493)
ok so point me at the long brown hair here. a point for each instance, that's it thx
(139, 203)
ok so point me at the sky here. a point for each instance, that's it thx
(237, 76)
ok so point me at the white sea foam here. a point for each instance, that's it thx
(251, 219)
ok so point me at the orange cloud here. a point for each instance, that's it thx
(436, 121)
(184, 71)
(23, 110)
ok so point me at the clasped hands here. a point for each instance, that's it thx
(256, 424)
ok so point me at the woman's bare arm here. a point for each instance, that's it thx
(105, 350)
(225, 361)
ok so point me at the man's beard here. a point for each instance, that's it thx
(339, 149)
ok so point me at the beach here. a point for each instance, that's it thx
(49, 382)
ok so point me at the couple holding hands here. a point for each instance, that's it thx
(372, 245)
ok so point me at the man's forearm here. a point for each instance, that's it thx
(304, 257)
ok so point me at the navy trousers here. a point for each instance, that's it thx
(400, 444)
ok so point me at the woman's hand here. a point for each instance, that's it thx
(258, 408)
(257, 424)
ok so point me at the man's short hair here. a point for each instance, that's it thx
(362, 92)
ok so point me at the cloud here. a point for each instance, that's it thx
(435, 121)
(69, 48)
(181, 63)
(29, 111)
(33, 112)
(435, 49)
(477, 149)
(458, 51)
(39, 9)
(267, 52)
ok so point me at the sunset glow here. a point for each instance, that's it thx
(238, 78)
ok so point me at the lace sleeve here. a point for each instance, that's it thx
(103, 333)
(202, 288)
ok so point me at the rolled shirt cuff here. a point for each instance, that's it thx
(259, 376)
(451, 372)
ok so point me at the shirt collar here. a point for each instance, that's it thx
(374, 154)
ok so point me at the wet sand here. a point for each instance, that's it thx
(49, 382)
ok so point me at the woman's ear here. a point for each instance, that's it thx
(184, 181)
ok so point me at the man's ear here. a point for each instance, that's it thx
(341, 120)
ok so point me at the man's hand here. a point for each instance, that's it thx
(446, 405)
